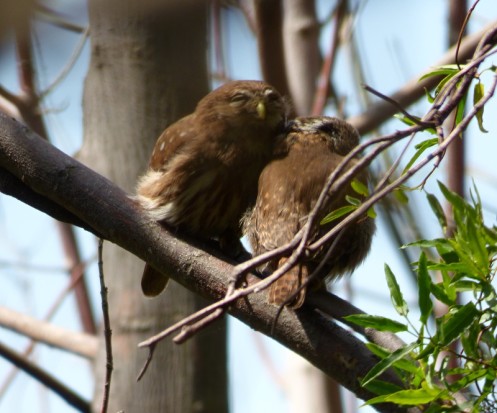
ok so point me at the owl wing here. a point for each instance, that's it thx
(171, 142)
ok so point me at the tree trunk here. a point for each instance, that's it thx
(148, 68)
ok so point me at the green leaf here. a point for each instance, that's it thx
(353, 200)
(421, 147)
(467, 378)
(478, 93)
(371, 213)
(382, 387)
(466, 285)
(338, 213)
(424, 284)
(448, 71)
(406, 364)
(461, 107)
(469, 341)
(377, 322)
(455, 323)
(387, 363)
(359, 187)
(400, 196)
(452, 267)
(456, 201)
(395, 293)
(425, 243)
(429, 96)
(437, 209)
(443, 70)
(407, 397)
(446, 251)
(412, 121)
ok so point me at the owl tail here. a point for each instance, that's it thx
(285, 288)
(153, 282)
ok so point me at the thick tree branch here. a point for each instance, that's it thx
(13, 186)
(110, 212)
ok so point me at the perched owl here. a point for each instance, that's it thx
(289, 186)
(204, 168)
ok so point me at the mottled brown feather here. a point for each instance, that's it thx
(204, 169)
(289, 187)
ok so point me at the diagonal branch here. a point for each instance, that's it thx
(109, 211)
(51, 382)
(79, 343)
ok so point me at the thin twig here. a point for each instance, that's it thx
(151, 349)
(388, 99)
(243, 292)
(57, 19)
(322, 91)
(315, 274)
(460, 85)
(107, 330)
(192, 329)
(463, 30)
(69, 65)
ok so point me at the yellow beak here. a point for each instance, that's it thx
(261, 110)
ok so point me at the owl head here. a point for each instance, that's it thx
(342, 136)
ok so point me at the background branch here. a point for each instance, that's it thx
(48, 380)
(79, 343)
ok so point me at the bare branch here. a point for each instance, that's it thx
(323, 88)
(43, 377)
(109, 365)
(79, 343)
(57, 19)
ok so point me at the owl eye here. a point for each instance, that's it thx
(239, 99)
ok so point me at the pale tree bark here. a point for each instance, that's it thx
(302, 56)
(148, 68)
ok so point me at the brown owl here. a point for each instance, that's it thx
(204, 168)
(289, 187)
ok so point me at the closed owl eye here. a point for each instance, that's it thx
(239, 99)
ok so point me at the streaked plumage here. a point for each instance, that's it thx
(289, 187)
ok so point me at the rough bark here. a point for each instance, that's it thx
(148, 68)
